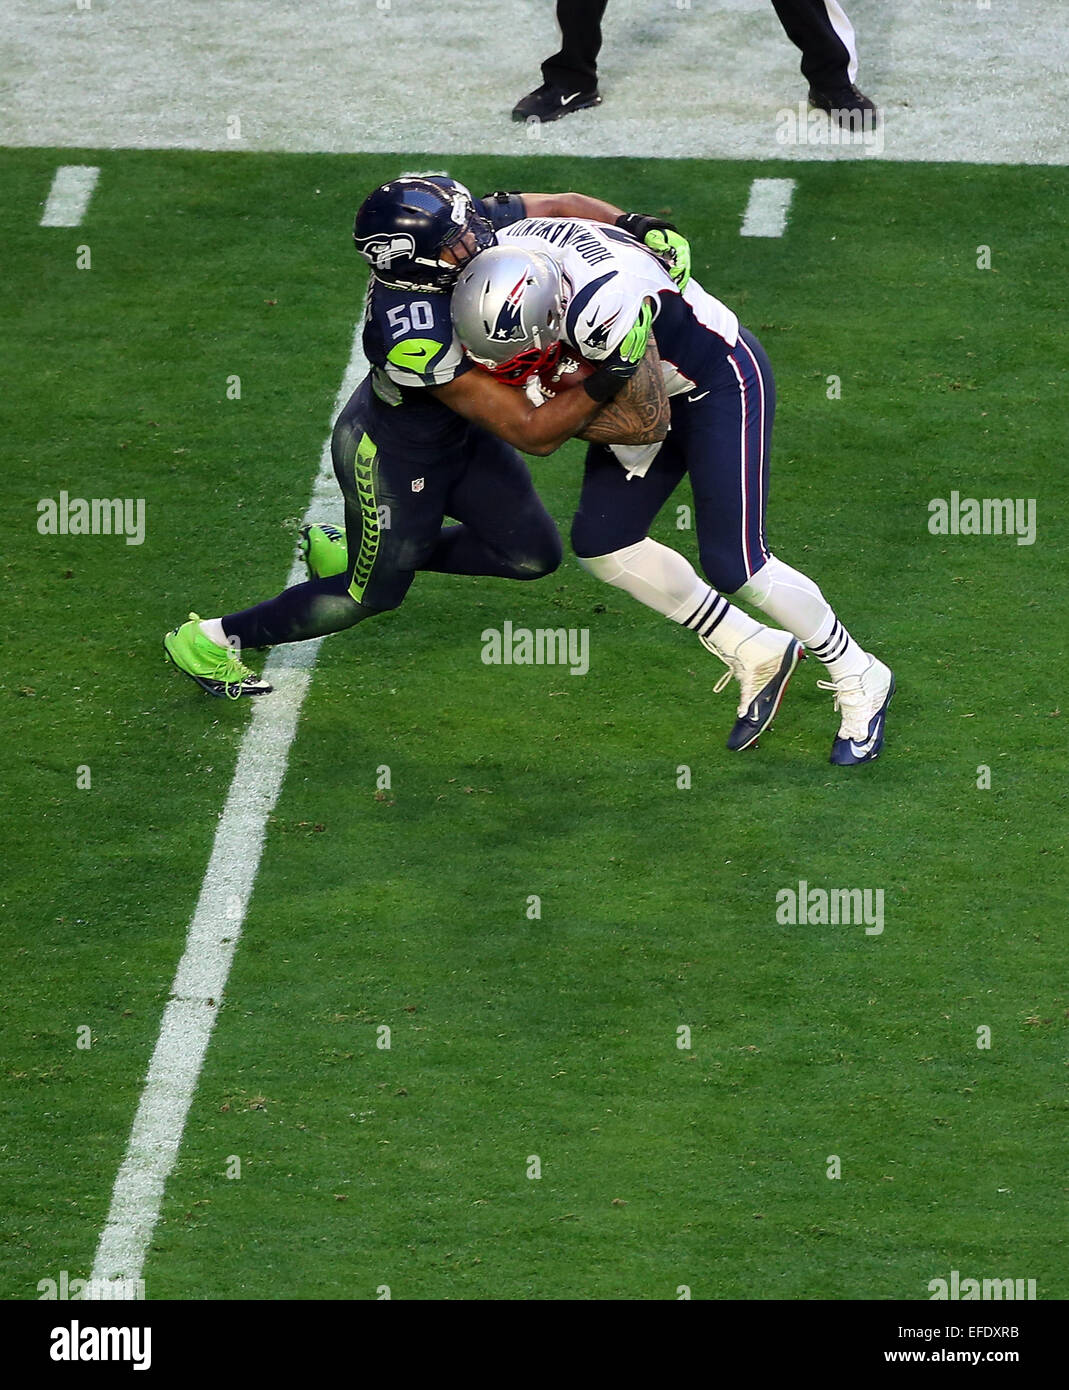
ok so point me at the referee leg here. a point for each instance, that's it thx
(822, 31)
(575, 67)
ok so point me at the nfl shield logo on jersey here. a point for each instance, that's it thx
(417, 484)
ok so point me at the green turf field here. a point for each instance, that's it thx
(660, 1167)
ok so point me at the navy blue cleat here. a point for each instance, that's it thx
(862, 704)
(763, 665)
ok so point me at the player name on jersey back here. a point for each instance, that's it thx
(580, 237)
(608, 274)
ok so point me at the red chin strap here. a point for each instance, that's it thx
(526, 364)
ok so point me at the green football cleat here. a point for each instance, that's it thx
(215, 669)
(323, 549)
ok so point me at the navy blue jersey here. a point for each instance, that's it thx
(410, 345)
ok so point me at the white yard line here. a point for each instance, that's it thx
(69, 195)
(213, 935)
(766, 212)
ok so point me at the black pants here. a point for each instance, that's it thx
(826, 59)
(576, 65)
(825, 36)
(396, 500)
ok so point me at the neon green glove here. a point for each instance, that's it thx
(674, 250)
(633, 347)
(663, 240)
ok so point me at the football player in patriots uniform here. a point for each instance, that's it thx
(423, 437)
(722, 397)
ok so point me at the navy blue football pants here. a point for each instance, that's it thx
(396, 501)
(721, 437)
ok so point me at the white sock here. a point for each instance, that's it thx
(665, 581)
(213, 630)
(796, 603)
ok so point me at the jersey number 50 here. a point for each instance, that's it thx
(422, 317)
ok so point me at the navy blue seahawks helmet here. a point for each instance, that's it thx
(402, 229)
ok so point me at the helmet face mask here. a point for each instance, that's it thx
(508, 312)
(473, 236)
(524, 365)
(403, 228)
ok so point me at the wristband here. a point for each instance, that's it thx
(603, 384)
(639, 225)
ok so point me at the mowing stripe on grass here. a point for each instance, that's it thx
(766, 212)
(69, 195)
(213, 934)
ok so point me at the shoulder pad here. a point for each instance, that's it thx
(411, 335)
(597, 322)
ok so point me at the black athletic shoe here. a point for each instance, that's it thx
(850, 107)
(549, 103)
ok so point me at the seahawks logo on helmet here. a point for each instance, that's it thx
(382, 250)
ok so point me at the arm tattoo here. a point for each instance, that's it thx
(640, 414)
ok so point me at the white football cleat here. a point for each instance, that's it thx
(763, 665)
(862, 702)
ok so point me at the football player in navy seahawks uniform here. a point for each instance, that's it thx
(423, 437)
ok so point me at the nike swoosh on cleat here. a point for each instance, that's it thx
(865, 747)
(862, 750)
(565, 100)
(756, 720)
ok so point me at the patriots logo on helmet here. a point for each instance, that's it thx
(507, 325)
(382, 250)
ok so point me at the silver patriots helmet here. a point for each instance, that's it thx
(508, 311)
